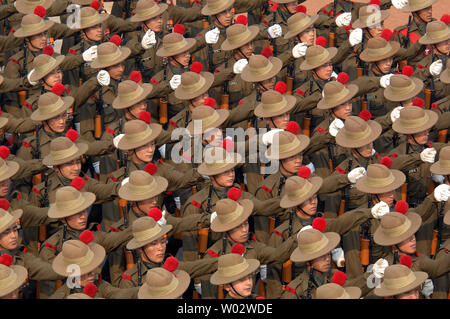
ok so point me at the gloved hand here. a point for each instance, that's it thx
(239, 65)
(356, 174)
(212, 36)
(305, 228)
(267, 137)
(335, 126)
(198, 288)
(399, 4)
(148, 40)
(379, 267)
(28, 78)
(175, 81)
(103, 78)
(162, 221)
(442, 193)
(385, 80)
(344, 19)
(90, 54)
(263, 272)
(117, 139)
(275, 31)
(428, 155)
(96, 166)
(213, 216)
(427, 288)
(438, 179)
(177, 202)
(162, 150)
(124, 181)
(395, 113)
(373, 152)
(436, 67)
(355, 37)
(337, 255)
(311, 167)
(334, 75)
(379, 209)
(299, 50)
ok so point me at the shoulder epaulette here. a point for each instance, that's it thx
(52, 247)
(109, 130)
(26, 144)
(212, 253)
(72, 51)
(126, 277)
(277, 233)
(196, 204)
(267, 189)
(340, 170)
(289, 289)
(174, 124)
(300, 92)
(153, 81)
(35, 190)
(320, 130)
(114, 229)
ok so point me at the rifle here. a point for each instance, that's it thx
(290, 78)
(310, 282)
(37, 179)
(331, 160)
(286, 274)
(332, 33)
(429, 93)
(210, 59)
(205, 23)
(163, 117)
(44, 203)
(404, 187)
(220, 293)
(365, 245)
(306, 130)
(272, 219)
(273, 42)
(404, 63)
(225, 97)
(343, 205)
(437, 231)
(123, 204)
(22, 95)
(126, 10)
(98, 119)
(361, 70)
(204, 232)
(442, 136)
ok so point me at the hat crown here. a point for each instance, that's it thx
(377, 171)
(314, 51)
(202, 111)
(60, 143)
(225, 206)
(285, 137)
(436, 26)
(145, 4)
(294, 183)
(74, 249)
(189, 78)
(444, 154)
(4, 213)
(333, 88)
(48, 98)
(299, 16)
(126, 87)
(330, 291)
(235, 30)
(376, 43)
(215, 155)
(134, 127)
(355, 124)
(140, 178)
(172, 38)
(309, 236)
(31, 19)
(392, 220)
(369, 10)
(106, 48)
(5, 272)
(412, 113)
(159, 277)
(43, 59)
(271, 97)
(143, 223)
(396, 271)
(257, 61)
(229, 260)
(400, 81)
(87, 12)
(66, 193)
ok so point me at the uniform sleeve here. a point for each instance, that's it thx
(199, 267)
(34, 216)
(347, 221)
(113, 240)
(103, 192)
(38, 269)
(10, 42)
(179, 180)
(435, 267)
(107, 291)
(188, 223)
(182, 15)
(18, 125)
(269, 255)
(28, 168)
(60, 31)
(118, 25)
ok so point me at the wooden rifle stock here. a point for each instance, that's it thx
(404, 191)
(359, 72)
(42, 233)
(122, 207)
(205, 23)
(331, 39)
(341, 208)
(402, 64)
(58, 284)
(306, 125)
(271, 224)
(194, 190)
(129, 259)
(261, 289)
(203, 239)
(22, 96)
(37, 179)
(220, 294)
(434, 242)
(427, 93)
(163, 117)
(97, 126)
(286, 274)
(225, 101)
(289, 84)
(430, 187)
(442, 136)
(364, 253)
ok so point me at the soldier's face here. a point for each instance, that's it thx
(199, 100)
(376, 30)
(366, 150)
(324, 71)
(408, 245)
(87, 278)
(146, 205)
(242, 286)
(156, 249)
(116, 71)
(52, 78)
(182, 58)
(310, 205)
(322, 263)
(69, 170)
(145, 153)
(247, 49)
(267, 84)
(239, 234)
(94, 33)
(225, 17)
(281, 121)
(58, 123)
(4, 187)
(385, 65)
(387, 197)
(292, 164)
(38, 41)
(12, 295)
(412, 294)
(343, 110)
(78, 221)
(9, 238)
(421, 137)
(308, 36)
(407, 103)
(292, 6)
(426, 14)
(138, 108)
(155, 24)
(225, 179)
(444, 46)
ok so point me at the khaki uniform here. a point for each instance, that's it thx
(104, 290)
(441, 283)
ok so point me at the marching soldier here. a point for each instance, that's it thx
(18, 276)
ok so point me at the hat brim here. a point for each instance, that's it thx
(24, 9)
(305, 66)
(436, 168)
(395, 97)
(359, 24)
(342, 139)
(140, 18)
(447, 218)
(326, 105)
(13, 169)
(163, 53)
(276, 67)
(366, 58)
(291, 34)
(50, 161)
(134, 244)
(102, 18)
(21, 276)
(218, 279)
(218, 227)
(203, 169)
(304, 142)
(37, 76)
(399, 180)
(3, 121)
(227, 46)
(381, 239)
(445, 76)
(290, 99)
(432, 120)
(126, 145)
(207, 11)
(316, 182)
(22, 34)
(38, 116)
(88, 200)
(119, 105)
(124, 54)
(182, 94)
(60, 267)
(421, 276)
(128, 195)
(333, 241)
(16, 214)
(183, 283)
(407, 8)
(427, 40)
(223, 115)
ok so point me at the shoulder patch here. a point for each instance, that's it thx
(35, 190)
(114, 229)
(26, 144)
(15, 61)
(289, 289)
(52, 247)
(109, 130)
(340, 170)
(240, 102)
(267, 189)
(28, 105)
(394, 155)
(420, 66)
(277, 233)
(253, 238)
(300, 92)
(212, 253)
(126, 277)
(174, 124)
(196, 204)
(434, 106)
(153, 81)
(320, 130)
(112, 177)
(99, 227)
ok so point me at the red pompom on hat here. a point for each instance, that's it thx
(6, 260)
(342, 78)
(386, 161)
(136, 76)
(155, 213)
(234, 193)
(281, 87)
(145, 116)
(4, 152)
(90, 289)
(179, 28)
(196, 67)
(78, 183)
(227, 145)
(401, 207)
(406, 260)
(321, 41)
(72, 135)
(86, 236)
(387, 34)
(40, 11)
(48, 50)
(375, 2)
(300, 8)
(241, 19)
(171, 264)
(117, 40)
(304, 172)
(446, 18)
(151, 168)
(419, 102)
(267, 52)
(58, 88)
(339, 278)
(365, 115)
(4, 204)
(293, 127)
(95, 5)
(209, 101)
(319, 223)
(408, 70)
(238, 248)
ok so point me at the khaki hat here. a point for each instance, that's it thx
(174, 43)
(32, 24)
(445, 75)
(335, 93)
(217, 160)
(298, 190)
(437, 32)
(8, 169)
(81, 2)
(11, 278)
(414, 119)
(3, 120)
(396, 227)
(316, 56)
(357, 132)
(442, 166)
(147, 9)
(313, 244)
(193, 85)
(70, 201)
(370, 16)
(51, 105)
(238, 35)
(63, 150)
(109, 54)
(447, 218)
(416, 5)
(231, 214)
(163, 284)
(214, 7)
(378, 49)
(399, 279)
(335, 291)
(9, 219)
(28, 6)
(75, 252)
(298, 23)
(288, 145)
(274, 103)
(208, 116)
(232, 267)
(130, 93)
(380, 179)
(89, 17)
(43, 64)
(137, 133)
(260, 68)
(402, 88)
(141, 186)
(145, 230)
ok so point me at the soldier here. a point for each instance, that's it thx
(12, 277)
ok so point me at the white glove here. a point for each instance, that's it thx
(90, 54)
(96, 167)
(198, 288)
(177, 202)
(380, 209)
(337, 255)
(335, 126)
(373, 152)
(175, 81)
(28, 78)
(213, 216)
(442, 193)
(305, 228)
(356, 174)
(438, 179)
(212, 36)
(148, 40)
(355, 37)
(162, 150)
(385, 80)
(395, 114)
(299, 50)
(275, 31)
(162, 221)
(311, 167)
(263, 272)
(267, 137)
(379, 267)
(124, 181)
(428, 155)
(399, 4)
(117, 139)
(344, 19)
(334, 75)
(103, 78)
(239, 65)
(427, 288)
(436, 67)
